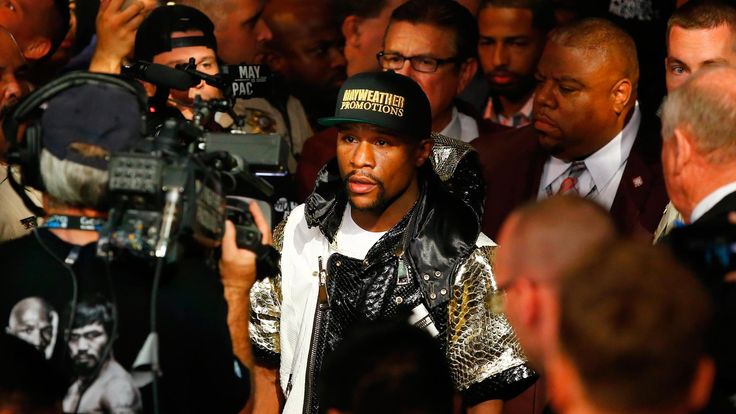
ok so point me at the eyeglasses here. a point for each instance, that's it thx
(420, 63)
(495, 299)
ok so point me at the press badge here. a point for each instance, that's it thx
(421, 318)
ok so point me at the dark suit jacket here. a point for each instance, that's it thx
(317, 150)
(687, 244)
(513, 161)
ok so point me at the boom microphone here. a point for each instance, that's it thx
(161, 75)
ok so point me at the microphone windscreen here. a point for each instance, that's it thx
(167, 77)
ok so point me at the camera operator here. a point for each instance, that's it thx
(241, 33)
(699, 162)
(198, 370)
(170, 36)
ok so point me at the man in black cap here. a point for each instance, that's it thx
(171, 36)
(58, 263)
(392, 230)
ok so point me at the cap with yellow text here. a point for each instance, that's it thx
(384, 99)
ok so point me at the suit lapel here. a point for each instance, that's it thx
(637, 180)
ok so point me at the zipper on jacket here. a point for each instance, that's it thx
(316, 344)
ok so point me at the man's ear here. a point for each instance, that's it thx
(467, 71)
(622, 94)
(37, 49)
(528, 295)
(424, 151)
(351, 30)
(683, 150)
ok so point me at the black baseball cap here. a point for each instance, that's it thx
(154, 34)
(102, 115)
(384, 99)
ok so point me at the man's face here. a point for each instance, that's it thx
(448, 81)
(378, 168)
(240, 31)
(34, 326)
(86, 346)
(12, 69)
(573, 103)
(688, 50)
(24, 18)
(206, 62)
(310, 51)
(509, 49)
(313, 55)
(360, 52)
(508, 281)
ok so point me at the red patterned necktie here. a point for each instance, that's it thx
(570, 183)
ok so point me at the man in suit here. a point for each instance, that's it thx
(700, 34)
(699, 161)
(588, 137)
(699, 147)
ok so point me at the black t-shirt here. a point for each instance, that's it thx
(199, 370)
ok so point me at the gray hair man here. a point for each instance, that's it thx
(700, 34)
(699, 160)
(699, 149)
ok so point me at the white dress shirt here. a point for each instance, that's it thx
(711, 200)
(517, 120)
(461, 127)
(604, 168)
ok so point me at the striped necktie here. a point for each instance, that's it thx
(570, 183)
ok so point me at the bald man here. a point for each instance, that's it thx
(36, 322)
(39, 26)
(538, 243)
(307, 52)
(588, 137)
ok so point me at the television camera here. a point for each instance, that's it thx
(181, 183)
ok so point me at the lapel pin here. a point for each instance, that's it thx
(638, 182)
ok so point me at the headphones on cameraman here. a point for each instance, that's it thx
(26, 153)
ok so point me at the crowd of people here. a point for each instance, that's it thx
(478, 206)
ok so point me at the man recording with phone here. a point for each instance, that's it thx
(192, 361)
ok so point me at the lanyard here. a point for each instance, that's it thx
(60, 221)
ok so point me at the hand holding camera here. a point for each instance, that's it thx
(238, 261)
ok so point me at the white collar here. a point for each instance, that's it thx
(525, 112)
(453, 129)
(604, 163)
(711, 200)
